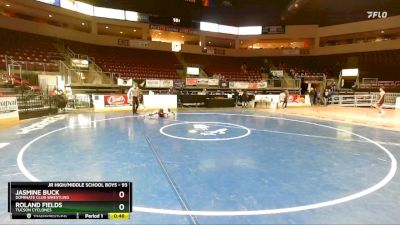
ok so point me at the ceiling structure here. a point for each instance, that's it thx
(258, 12)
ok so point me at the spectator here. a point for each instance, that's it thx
(312, 96)
(245, 99)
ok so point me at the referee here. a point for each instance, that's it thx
(133, 96)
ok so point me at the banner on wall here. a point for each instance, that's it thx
(291, 52)
(178, 83)
(262, 85)
(125, 82)
(115, 100)
(159, 83)
(153, 83)
(201, 82)
(191, 81)
(213, 82)
(166, 83)
(248, 85)
(296, 99)
(8, 108)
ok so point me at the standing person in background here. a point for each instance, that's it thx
(317, 100)
(133, 97)
(285, 101)
(281, 99)
(380, 101)
(312, 96)
(245, 99)
(326, 96)
(236, 96)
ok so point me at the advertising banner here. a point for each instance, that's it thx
(291, 51)
(262, 85)
(125, 82)
(202, 81)
(253, 86)
(115, 100)
(239, 85)
(159, 83)
(153, 83)
(8, 108)
(296, 99)
(166, 83)
(191, 81)
(178, 83)
(213, 82)
(247, 85)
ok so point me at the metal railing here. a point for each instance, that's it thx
(106, 78)
(353, 100)
(364, 100)
(69, 74)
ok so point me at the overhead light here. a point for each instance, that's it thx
(209, 42)
(107, 27)
(50, 15)
(8, 5)
(183, 36)
(121, 32)
(83, 24)
(382, 32)
(296, 5)
(159, 33)
(134, 30)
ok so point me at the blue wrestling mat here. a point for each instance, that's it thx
(215, 167)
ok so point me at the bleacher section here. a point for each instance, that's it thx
(37, 53)
(32, 52)
(228, 67)
(127, 62)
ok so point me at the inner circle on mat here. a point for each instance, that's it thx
(205, 131)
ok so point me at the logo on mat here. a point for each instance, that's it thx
(203, 129)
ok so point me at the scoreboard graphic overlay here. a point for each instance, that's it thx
(70, 200)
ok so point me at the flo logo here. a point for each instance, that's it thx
(377, 14)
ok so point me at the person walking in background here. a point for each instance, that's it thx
(380, 101)
(133, 97)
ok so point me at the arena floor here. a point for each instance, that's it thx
(219, 166)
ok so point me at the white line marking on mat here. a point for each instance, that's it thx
(2, 145)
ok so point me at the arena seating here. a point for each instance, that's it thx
(37, 53)
(135, 63)
(32, 52)
(227, 67)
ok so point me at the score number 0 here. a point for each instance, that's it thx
(121, 206)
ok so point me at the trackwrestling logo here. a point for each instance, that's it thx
(377, 14)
